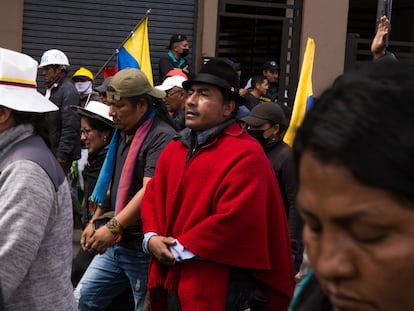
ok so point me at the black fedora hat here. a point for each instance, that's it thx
(220, 73)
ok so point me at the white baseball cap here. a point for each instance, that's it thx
(18, 91)
(170, 82)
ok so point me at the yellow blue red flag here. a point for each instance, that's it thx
(135, 53)
(304, 93)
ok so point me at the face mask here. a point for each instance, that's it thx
(185, 52)
(258, 135)
(84, 87)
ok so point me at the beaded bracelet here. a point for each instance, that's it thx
(114, 226)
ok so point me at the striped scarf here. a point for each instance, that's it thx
(98, 196)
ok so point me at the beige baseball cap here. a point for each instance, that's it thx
(131, 82)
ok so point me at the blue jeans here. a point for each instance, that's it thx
(110, 274)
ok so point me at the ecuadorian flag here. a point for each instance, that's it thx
(135, 53)
(304, 94)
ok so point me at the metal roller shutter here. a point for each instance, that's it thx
(89, 31)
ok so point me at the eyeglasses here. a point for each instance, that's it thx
(85, 131)
(171, 94)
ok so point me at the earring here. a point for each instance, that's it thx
(104, 139)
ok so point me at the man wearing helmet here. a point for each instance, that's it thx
(64, 123)
(83, 81)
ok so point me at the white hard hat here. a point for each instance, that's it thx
(53, 57)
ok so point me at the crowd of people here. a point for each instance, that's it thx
(191, 200)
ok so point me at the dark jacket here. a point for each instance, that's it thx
(309, 296)
(179, 119)
(65, 123)
(167, 63)
(90, 176)
(93, 96)
(251, 101)
(281, 158)
(387, 57)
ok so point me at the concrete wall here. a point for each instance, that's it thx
(326, 22)
(11, 24)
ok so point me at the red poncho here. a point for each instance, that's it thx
(224, 205)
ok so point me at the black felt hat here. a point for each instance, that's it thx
(220, 73)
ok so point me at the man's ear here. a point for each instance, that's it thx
(6, 118)
(5, 114)
(229, 107)
(276, 129)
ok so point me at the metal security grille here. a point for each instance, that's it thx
(256, 31)
(89, 31)
(362, 25)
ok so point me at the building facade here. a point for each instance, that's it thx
(249, 32)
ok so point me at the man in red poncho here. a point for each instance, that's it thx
(213, 215)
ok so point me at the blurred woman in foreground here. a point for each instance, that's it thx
(355, 154)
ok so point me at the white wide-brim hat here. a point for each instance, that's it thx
(95, 110)
(18, 91)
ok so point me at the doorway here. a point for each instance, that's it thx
(253, 32)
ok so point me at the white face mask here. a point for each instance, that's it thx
(84, 87)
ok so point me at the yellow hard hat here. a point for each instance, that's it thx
(82, 71)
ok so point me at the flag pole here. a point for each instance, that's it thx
(122, 44)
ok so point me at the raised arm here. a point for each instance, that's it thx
(379, 43)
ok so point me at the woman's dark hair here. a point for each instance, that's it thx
(37, 120)
(100, 126)
(365, 122)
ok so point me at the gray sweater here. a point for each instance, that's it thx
(35, 225)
